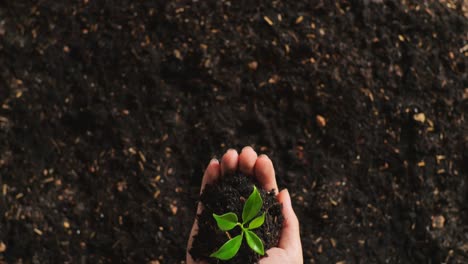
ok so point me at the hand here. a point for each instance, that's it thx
(289, 248)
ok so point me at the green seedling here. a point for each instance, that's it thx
(250, 221)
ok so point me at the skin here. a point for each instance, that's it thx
(289, 249)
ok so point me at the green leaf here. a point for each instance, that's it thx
(257, 222)
(255, 243)
(252, 206)
(229, 249)
(226, 221)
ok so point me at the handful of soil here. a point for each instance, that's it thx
(229, 195)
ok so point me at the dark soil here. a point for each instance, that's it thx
(229, 195)
(110, 111)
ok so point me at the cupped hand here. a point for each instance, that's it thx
(289, 248)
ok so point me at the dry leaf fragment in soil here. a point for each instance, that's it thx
(299, 20)
(438, 221)
(268, 20)
(321, 121)
(174, 208)
(253, 65)
(273, 79)
(420, 117)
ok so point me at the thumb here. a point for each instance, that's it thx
(290, 239)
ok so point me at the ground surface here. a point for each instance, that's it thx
(110, 110)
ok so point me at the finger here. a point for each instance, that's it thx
(247, 159)
(290, 239)
(193, 232)
(229, 162)
(265, 173)
(212, 172)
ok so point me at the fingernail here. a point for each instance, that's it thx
(231, 149)
(263, 155)
(246, 147)
(213, 160)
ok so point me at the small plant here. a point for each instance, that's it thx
(229, 221)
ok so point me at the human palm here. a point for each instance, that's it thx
(289, 248)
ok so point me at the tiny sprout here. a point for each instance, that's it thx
(229, 221)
